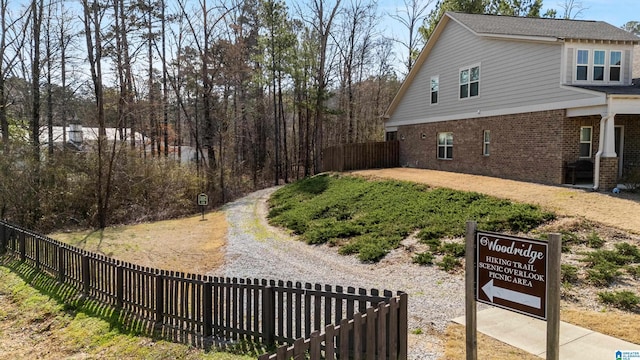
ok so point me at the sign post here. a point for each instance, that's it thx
(469, 285)
(203, 201)
(553, 297)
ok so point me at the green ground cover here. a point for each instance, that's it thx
(370, 218)
(40, 318)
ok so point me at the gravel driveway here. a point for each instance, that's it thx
(255, 249)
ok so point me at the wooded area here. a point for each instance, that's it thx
(191, 96)
(252, 89)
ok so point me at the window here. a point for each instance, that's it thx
(469, 82)
(392, 136)
(435, 87)
(486, 140)
(445, 146)
(615, 62)
(585, 141)
(583, 65)
(598, 65)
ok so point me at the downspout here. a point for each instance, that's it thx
(603, 124)
(596, 166)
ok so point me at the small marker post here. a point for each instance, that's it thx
(203, 201)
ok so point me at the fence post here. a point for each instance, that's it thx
(86, 275)
(37, 252)
(403, 329)
(3, 237)
(61, 264)
(119, 286)
(207, 308)
(159, 298)
(268, 315)
(23, 246)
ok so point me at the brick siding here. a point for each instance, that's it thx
(529, 146)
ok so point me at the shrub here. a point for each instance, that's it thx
(631, 179)
(449, 263)
(603, 274)
(454, 249)
(625, 300)
(434, 244)
(568, 273)
(423, 258)
(607, 256)
(371, 252)
(628, 251)
(594, 241)
(569, 239)
(634, 271)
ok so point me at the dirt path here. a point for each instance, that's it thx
(608, 209)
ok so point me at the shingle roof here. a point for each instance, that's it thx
(633, 89)
(542, 27)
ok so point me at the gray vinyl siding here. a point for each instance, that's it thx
(512, 74)
(569, 66)
(626, 72)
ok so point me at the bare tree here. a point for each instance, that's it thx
(572, 9)
(411, 17)
(355, 45)
(13, 35)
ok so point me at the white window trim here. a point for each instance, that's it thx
(591, 66)
(445, 146)
(437, 78)
(486, 144)
(590, 142)
(588, 65)
(469, 87)
(609, 66)
(605, 67)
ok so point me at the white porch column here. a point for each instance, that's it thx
(606, 148)
(609, 144)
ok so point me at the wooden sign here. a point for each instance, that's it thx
(511, 273)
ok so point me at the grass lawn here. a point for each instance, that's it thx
(34, 323)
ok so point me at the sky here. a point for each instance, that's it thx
(614, 12)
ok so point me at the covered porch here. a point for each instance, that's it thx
(615, 139)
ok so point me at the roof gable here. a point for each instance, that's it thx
(517, 28)
(487, 25)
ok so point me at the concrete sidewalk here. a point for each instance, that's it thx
(530, 334)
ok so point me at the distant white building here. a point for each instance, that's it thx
(78, 136)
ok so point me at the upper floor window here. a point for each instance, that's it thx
(615, 62)
(469, 82)
(445, 146)
(598, 66)
(583, 65)
(435, 88)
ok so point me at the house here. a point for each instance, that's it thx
(77, 137)
(521, 98)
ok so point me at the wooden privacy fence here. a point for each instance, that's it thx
(376, 334)
(197, 307)
(371, 155)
